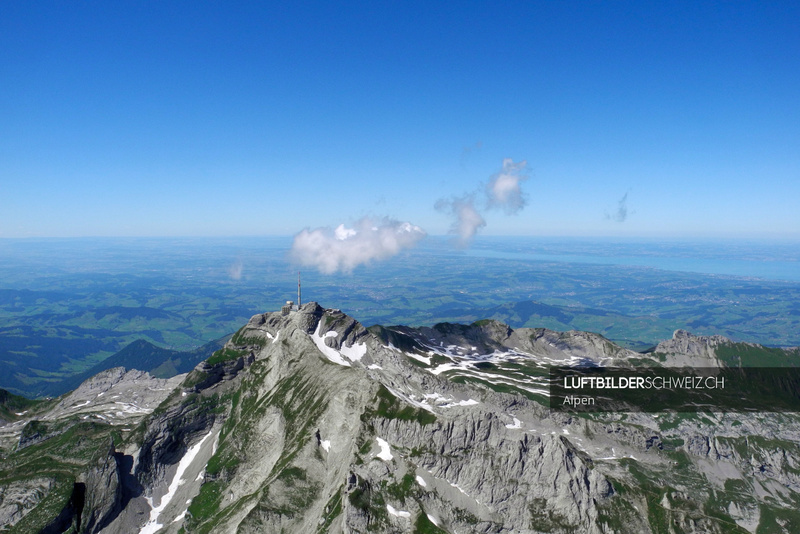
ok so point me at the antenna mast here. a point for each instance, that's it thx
(298, 290)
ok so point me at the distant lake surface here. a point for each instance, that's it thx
(772, 261)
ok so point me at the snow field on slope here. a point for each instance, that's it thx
(353, 353)
(152, 526)
(465, 366)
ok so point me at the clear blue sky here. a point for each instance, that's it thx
(235, 118)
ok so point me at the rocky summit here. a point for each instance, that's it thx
(307, 422)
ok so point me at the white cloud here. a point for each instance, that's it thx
(343, 249)
(504, 191)
(466, 218)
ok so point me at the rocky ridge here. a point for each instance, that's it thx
(309, 422)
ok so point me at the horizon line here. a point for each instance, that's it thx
(637, 237)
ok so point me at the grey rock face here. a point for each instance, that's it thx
(21, 496)
(308, 422)
(62, 431)
(115, 396)
(104, 490)
(685, 349)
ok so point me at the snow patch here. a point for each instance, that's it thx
(374, 366)
(424, 359)
(130, 408)
(385, 453)
(615, 457)
(433, 519)
(440, 401)
(468, 402)
(421, 481)
(456, 486)
(330, 353)
(516, 424)
(495, 379)
(355, 352)
(397, 513)
(326, 444)
(423, 405)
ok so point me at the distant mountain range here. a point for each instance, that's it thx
(635, 332)
(624, 329)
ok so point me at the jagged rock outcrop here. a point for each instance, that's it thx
(224, 370)
(685, 349)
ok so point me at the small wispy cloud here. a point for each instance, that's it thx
(504, 189)
(344, 248)
(503, 192)
(620, 214)
(466, 218)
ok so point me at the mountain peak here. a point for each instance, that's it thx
(306, 421)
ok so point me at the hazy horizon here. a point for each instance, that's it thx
(775, 259)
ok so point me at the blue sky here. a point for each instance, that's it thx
(235, 118)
